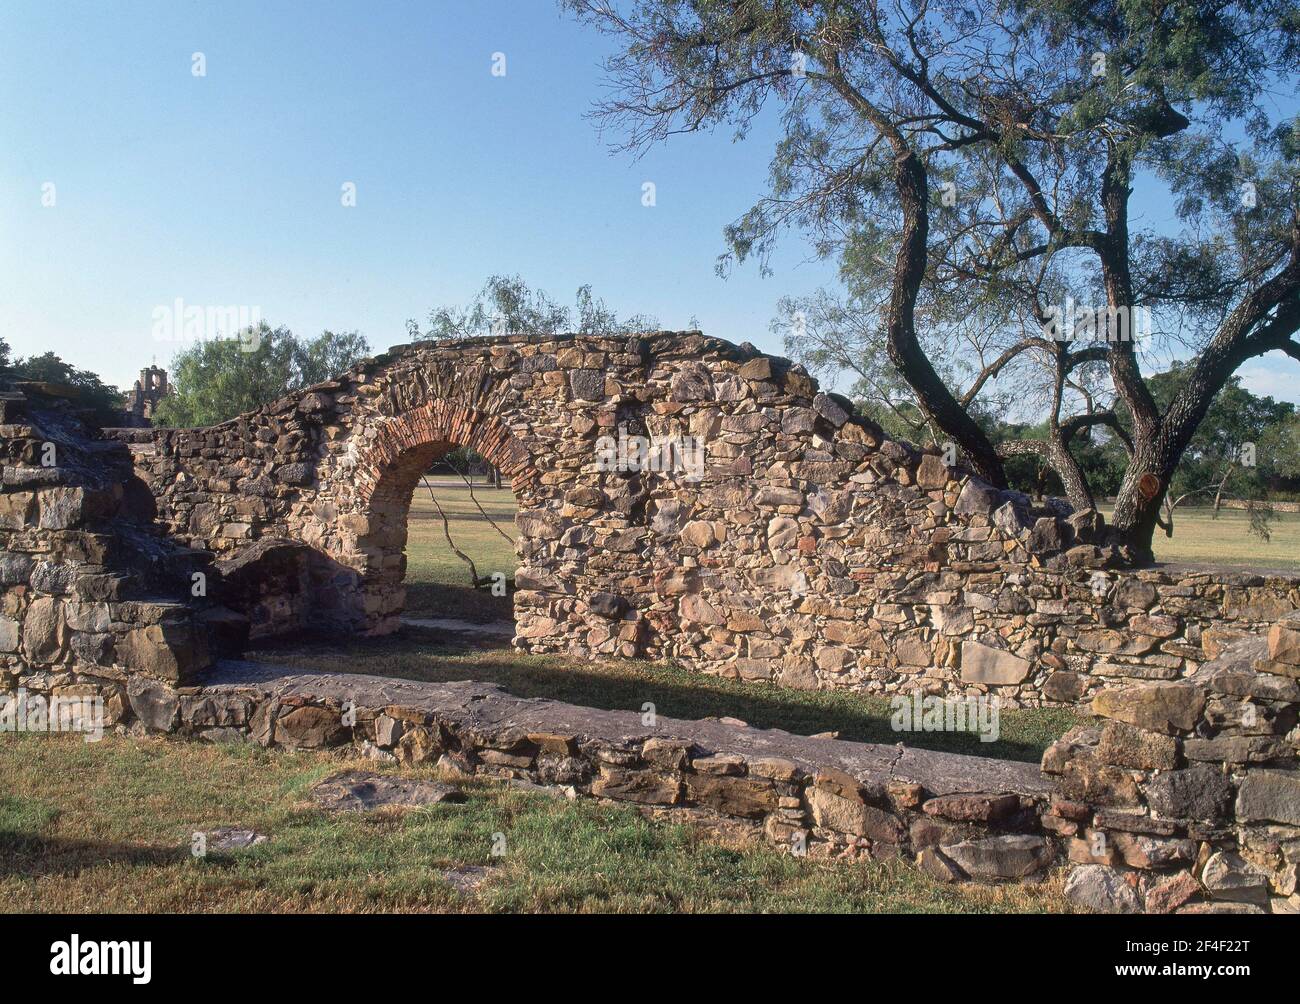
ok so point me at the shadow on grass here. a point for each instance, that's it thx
(438, 599)
(30, 855)
(624, 685)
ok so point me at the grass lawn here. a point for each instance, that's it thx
(106, 827)
(1201, 539)
(432, 564)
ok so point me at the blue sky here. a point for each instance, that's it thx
(225, 189)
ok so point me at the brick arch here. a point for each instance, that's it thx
(399, 439)
(385, 474)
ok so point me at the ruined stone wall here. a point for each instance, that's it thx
(1192, 786)
(813, 551)
(1185, 797)
(90, 594)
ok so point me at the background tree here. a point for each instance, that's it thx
(507, 305)
(1236, 453)
(971, 167)
(216, 380)
(102, 400)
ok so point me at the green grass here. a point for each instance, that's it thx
(431, 564)
(106, 827)
(1202, 539)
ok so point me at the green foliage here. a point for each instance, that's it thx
(103, 400)
(1280, 446)
(1242, 435)
(970, 166)
(507, 305)
(218, 379)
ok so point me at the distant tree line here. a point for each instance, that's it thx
(103, 400)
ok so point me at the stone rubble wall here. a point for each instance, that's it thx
(814, 552)
(1173, 804)
(1194, 783)
(90, 593)
(963, 818)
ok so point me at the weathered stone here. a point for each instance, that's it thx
(973, 807)
(1002, 857)
(309, 727)
(735, 796)
(1230, 877)
(932, 472)
(846, 815)
(231, 838)
(8, 634)
(1102, 890)
(1064, 686)
(1085, 779)
(156, 705)
(1168, 894)
(982, 664)
(1158, 707)
(43, 630)
(644, 786)
(976, 498)
(388, 731)
(1142, 851)
(833, 408)
(1127, 746)
(363, 791)
(167, 651)
(1284, 642)
(1198, 792)
(939, 868)
(1270, 795)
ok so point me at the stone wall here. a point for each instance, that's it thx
(1185, 797)
(813, 551)
(92, 594)
(1193, 785)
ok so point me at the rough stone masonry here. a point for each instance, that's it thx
(812, 551)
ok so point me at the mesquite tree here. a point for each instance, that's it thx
(1082, 185)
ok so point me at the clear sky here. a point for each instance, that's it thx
(224, 189)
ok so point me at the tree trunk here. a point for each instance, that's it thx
(905, 351)
(1141, 493)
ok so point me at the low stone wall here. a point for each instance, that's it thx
(1180, 800)
(962, 817)
(1196, 785)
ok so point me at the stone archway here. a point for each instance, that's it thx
(388, 469)
(812, 551)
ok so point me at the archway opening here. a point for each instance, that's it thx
(439, 544)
